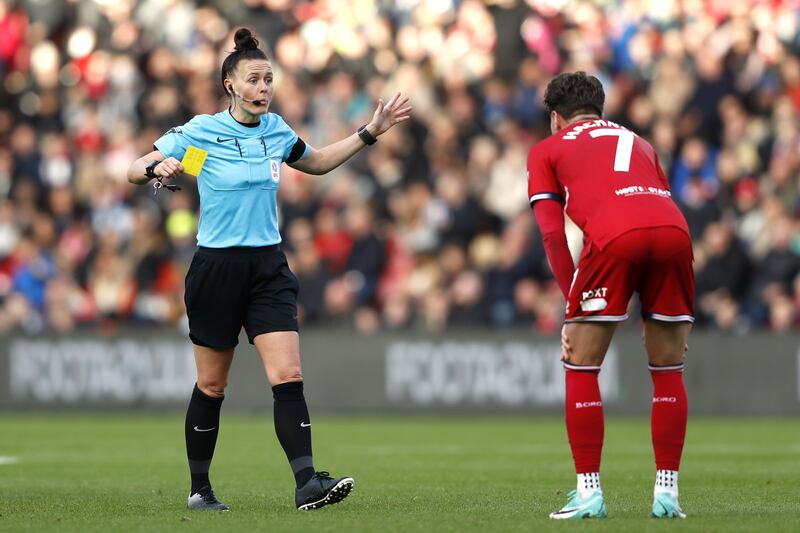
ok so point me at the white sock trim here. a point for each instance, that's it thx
(666, 481)
(588, 484)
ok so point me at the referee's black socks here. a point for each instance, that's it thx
(202, 427)
(293, 428)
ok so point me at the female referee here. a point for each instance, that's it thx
(239, 276)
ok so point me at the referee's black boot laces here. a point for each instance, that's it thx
(322, 476)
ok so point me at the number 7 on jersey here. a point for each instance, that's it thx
(622, 159)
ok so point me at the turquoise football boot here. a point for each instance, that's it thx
(592, 507)
(665, 505)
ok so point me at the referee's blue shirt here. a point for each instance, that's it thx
(238, 184)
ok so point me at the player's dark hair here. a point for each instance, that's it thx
(246, 48)
(573, 93)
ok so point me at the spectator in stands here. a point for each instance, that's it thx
(714, 88)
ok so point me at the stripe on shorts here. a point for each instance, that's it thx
(599, 318)
(669, 318)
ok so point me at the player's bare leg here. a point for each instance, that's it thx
(666, 343)
(280, 354)
(585, 345)
(587, 342)
(202, 423)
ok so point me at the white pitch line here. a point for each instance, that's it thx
(8, 460)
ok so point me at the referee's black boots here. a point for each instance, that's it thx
(205, 500)
(322, 490)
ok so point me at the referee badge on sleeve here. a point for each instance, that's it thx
(275, 170)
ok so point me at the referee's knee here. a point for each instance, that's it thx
(285, 375)
(212, 388)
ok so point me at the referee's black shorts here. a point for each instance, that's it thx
(228, 288)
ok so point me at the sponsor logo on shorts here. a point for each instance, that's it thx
(594, 304)
(665, 399)
(594, 293)
(594, 299)
(582, 405)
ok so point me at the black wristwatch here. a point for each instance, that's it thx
(149, 170)
(366, 136)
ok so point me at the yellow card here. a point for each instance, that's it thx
(193, 160)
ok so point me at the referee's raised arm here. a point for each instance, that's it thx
(329, 157)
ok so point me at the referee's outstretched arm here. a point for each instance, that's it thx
(326, 159)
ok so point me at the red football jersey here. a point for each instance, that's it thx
(608, 178)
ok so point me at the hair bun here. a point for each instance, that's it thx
(244, 40)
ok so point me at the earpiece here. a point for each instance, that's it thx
(239, 96)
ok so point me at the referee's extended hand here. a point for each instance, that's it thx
(168, 168)
(388, 114)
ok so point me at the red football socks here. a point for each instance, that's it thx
(584, 413)
(670, 411)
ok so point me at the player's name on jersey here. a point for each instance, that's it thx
(576, 130)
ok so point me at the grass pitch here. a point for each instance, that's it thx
(127, 473)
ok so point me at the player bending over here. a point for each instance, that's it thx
(610, 183)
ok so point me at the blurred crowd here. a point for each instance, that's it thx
(430, 228)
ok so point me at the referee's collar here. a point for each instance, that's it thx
(243, 124)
